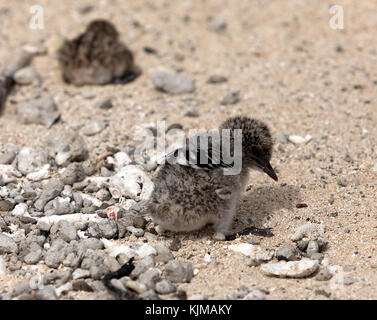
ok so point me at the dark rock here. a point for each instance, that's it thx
(40, 111)
(63, 230)
(287, 253)
(50, 191)
(73, 173)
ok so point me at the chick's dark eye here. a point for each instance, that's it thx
(255, 150)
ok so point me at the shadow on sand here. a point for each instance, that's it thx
(254, 209)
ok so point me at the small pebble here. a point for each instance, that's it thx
(232, 97)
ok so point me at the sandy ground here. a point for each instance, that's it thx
(293, 71)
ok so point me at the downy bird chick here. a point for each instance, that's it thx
(191, 193)
(96, 57)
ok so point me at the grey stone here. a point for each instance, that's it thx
(3, 225)
(164, 255)
(88, 94)
(175, 245)
(142, 266)
(287, 252)
(106, 172)
(134, 285)
(76, 252)
(302, 245)
(104, 103)
(39, 239)
(92, 243)
(92, 187)
(52, 276)
(27, 75)
(97, 272)
(50, 191)
(56, 254)
(80, 274)
(137, 232)
(312, 248)
(150, 278)
(111, 263)
(150, 236)
(67, 147)
(282, 138)
(46, 293)
(177, 271)
(180, 295)
(122, 258)
(63, 230)
(59, 206)
(81, 225)
(170, 82)
(93, 128)
(31, 160)
(218, 24)
(349, 267)
(165, 287)
(35, 254)
(130, 220)
(19, 199)
(349, 280)
(7, 157)
(321, 292)
(108, 228)
(103, 195)
(322, 243)
(324, 275)
(67, 191)
(149, 295)
(255, 294)
(29, 190)
(43, 226)
(191, 112)
(71, 260)
(77, 198)
(87, 263)
(240, 293)
(8, 174)
(80, 185)
(342, 181)
(232, 97)
(3, 267)
(217, 78)
(89, 167)
(20, 288)
(73, 173)
(27, 220)
(7, 244)
(7, 204)
(89, 209)
(316, 256)
(39, 111)
(81, 285)
(4, 192)
(64, 290)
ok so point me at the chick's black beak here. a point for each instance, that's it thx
(268, 169)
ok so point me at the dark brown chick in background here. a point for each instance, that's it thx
(97, 57)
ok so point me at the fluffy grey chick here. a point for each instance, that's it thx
(192, 193)
(96, 57)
